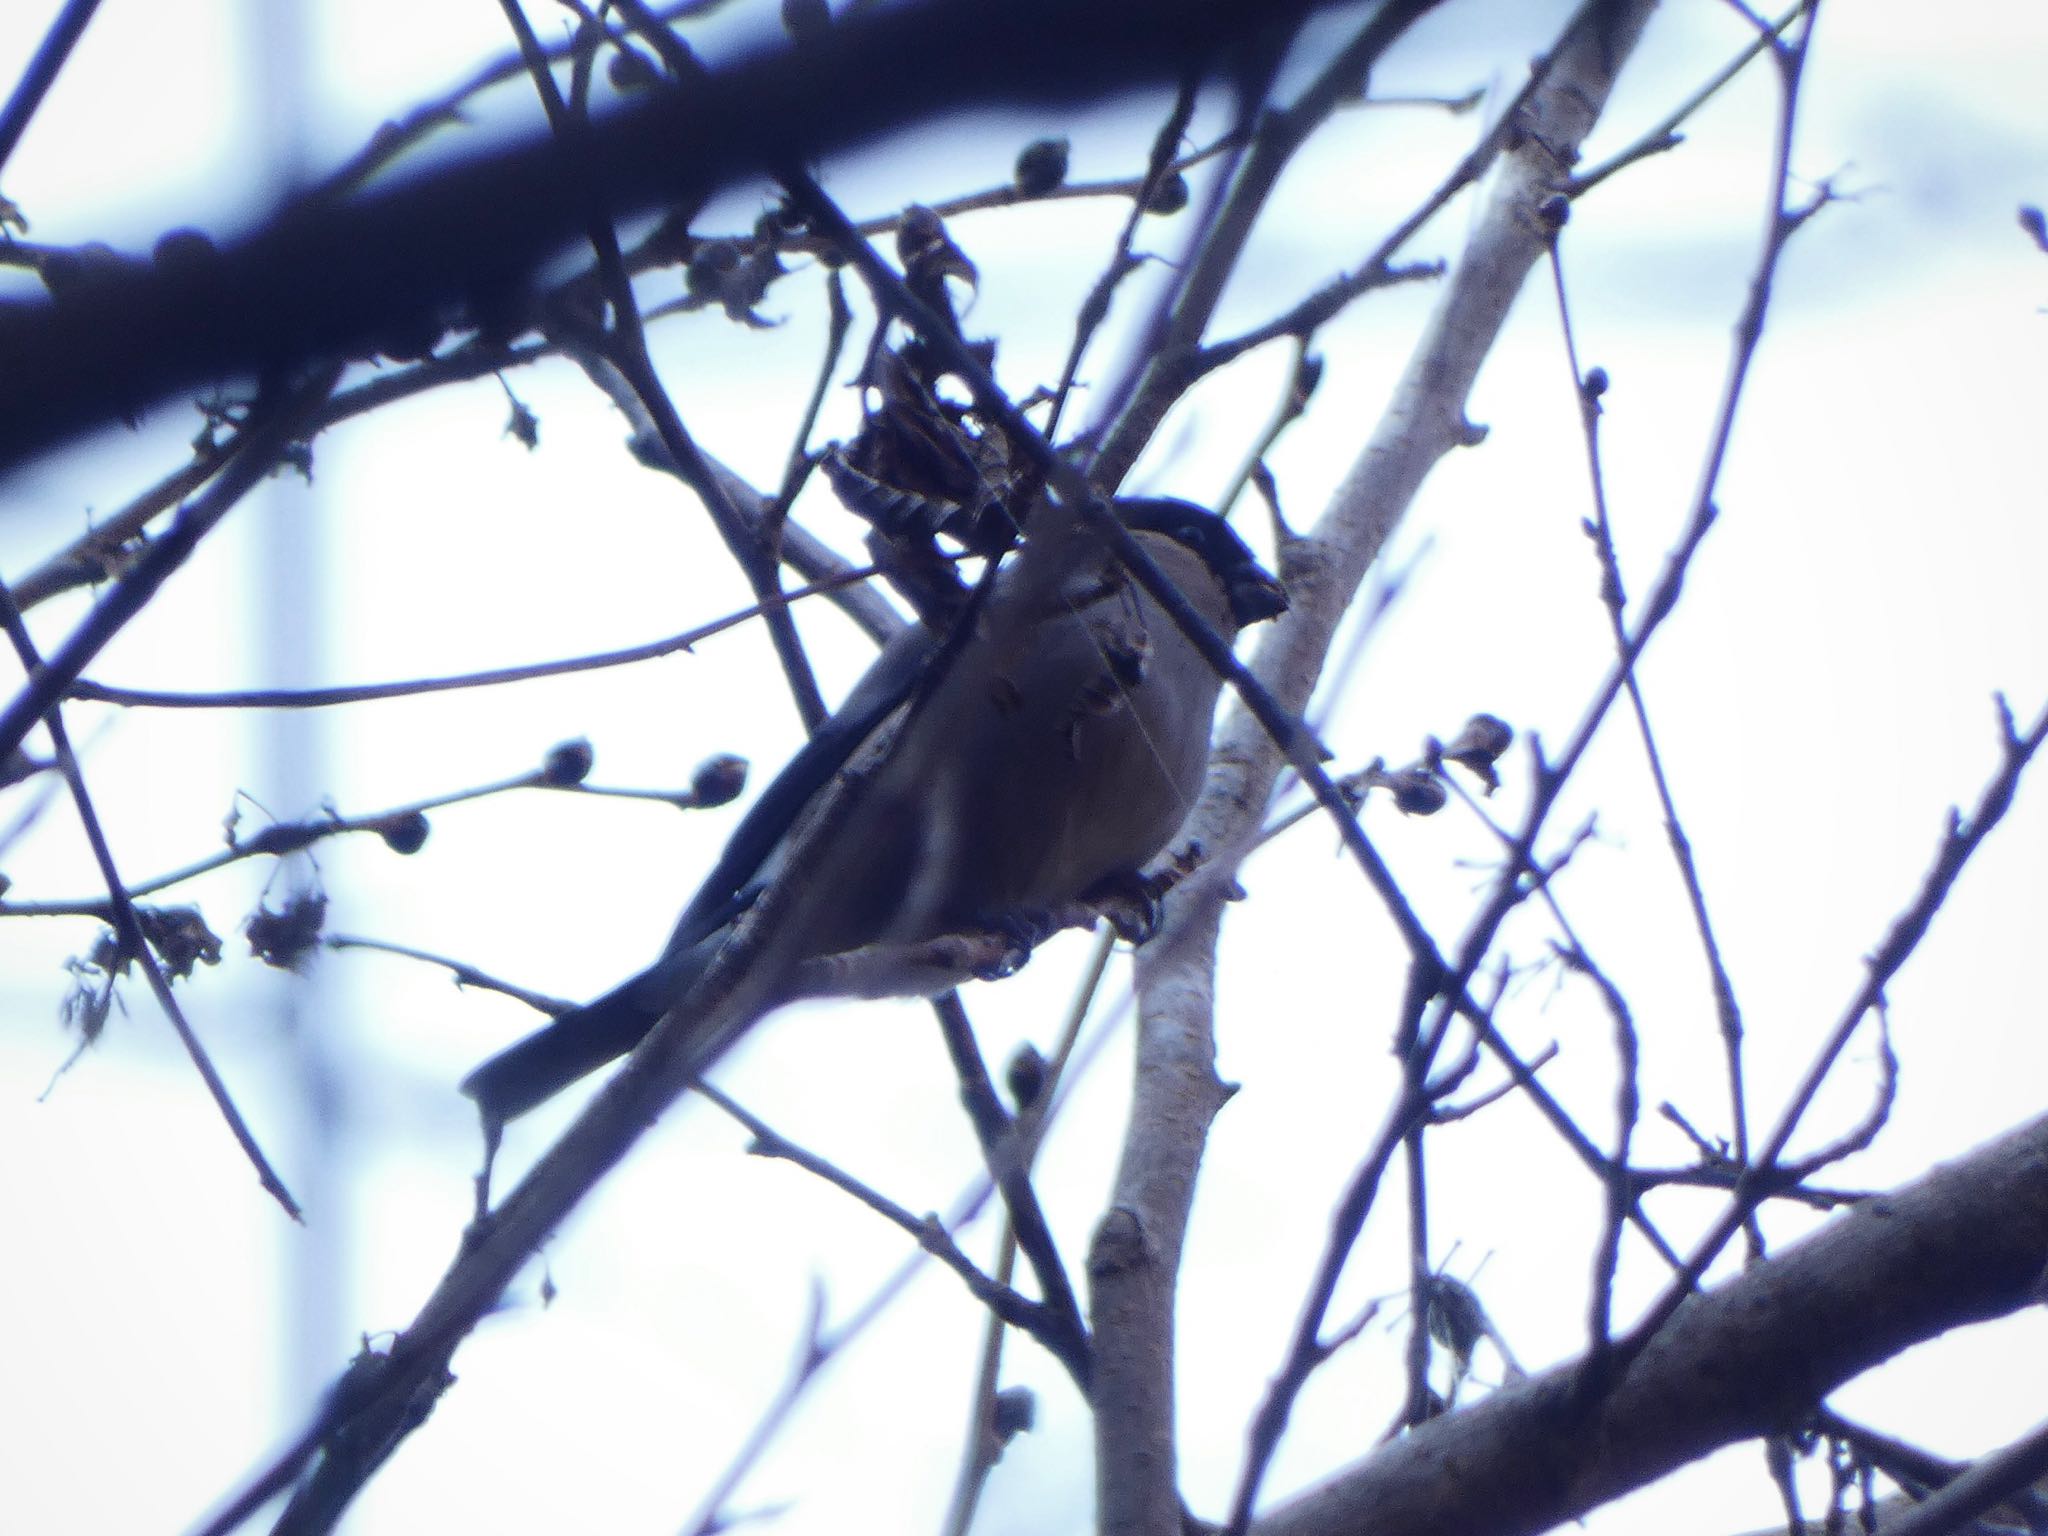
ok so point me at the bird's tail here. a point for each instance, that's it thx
(535, 1069)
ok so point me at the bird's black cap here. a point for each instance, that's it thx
(1254, 593)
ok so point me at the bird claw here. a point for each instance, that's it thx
(1021, 932)
(1006, 965)
(1131, 904)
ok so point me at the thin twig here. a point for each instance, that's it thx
(361, 693)
(812, 1356)
(1727, 1010)
(1664, 135)
(1305, 1351)
(464, 974)
(1963, 839)
(1980, 1488)
(927, 1231)
(1416, 1179)
(1541, 882)
(1620, 1191)
(103, 549)
(127, 924)
(271, 430)
(625, 346)
(984, 1445)
(1095, 308)
(1860, 1136)
(43, 68)
(797, 469)
(282, 838)
(1027, 1131)
(1303, 375)
(1067, 1339)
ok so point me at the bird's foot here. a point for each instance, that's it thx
(1130, 901)
(1021, 933)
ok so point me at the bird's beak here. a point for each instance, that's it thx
(1254, 595)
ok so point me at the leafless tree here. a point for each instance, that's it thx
(1726, 1297)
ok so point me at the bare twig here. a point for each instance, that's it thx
(626, 349)
(43, 68)
(1664, 135)
(1306, 1350)
(1066, 1336)
(1727, 1010)
(102, 551)
(1418, 1406)
(984, 1443)
(1095, 308)
(1621, 1194)
(1982, 1487)
(328, 278)
(1860, 1136)
(1963, 838)
(128, 928)
(1961, 1244)
(271, 430)
(361, 693)
(839, 320)
(1302, 378)
(464, 974)
(401, 825)
(927, 1231)
(812, 1356)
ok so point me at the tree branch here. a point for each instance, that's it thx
(1138, 1246)
(327, 277)
(1963, 1244)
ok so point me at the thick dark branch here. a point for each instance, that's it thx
(327, 279)
(1961, 1245)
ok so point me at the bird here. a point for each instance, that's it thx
(1043, 750)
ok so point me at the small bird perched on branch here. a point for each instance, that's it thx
(1040, 754)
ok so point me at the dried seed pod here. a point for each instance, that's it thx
(1479, 746)
(180, 937)
(284, 938)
